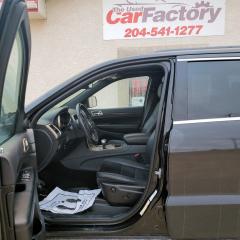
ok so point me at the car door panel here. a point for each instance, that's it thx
(19, 187)
(203, 169)
(204, 180)
(118, 121)
(20, 214)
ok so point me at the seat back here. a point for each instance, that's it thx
(150, 122)
(149, 148)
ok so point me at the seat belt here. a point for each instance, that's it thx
(151, 101)
(149, 107)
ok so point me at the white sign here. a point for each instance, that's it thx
(132, 19)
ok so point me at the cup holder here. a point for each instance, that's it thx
(118, 145)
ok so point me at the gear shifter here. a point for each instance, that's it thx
(104, 143)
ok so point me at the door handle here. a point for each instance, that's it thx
(25, 145)
(97, 113)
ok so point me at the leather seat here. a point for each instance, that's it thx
(123, 179)
(150, 118)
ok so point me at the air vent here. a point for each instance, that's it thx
(57, 133)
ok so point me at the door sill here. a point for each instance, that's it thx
(100, 213)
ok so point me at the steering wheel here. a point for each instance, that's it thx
(87, 124)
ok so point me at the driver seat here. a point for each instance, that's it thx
(122, 179)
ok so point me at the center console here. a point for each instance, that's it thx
(129, 139)
(106, 146)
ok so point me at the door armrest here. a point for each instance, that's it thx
(136, 138)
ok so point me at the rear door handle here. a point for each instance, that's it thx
(97, 113)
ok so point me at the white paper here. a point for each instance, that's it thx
(63, 202)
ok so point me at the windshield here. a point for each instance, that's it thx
(75, 95)
(68, 99)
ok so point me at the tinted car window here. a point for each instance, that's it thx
(10, 95)
(213, 89)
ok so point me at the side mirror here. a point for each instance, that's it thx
(92, 102)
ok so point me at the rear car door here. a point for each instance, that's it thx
(203, 169)
(19, 209)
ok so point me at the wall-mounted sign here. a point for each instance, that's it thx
(131, 19)
(36, 8)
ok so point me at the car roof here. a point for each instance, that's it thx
(197, 51)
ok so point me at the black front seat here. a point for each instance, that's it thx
(122, 179)
(150, 118)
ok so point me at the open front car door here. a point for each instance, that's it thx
(20, 216)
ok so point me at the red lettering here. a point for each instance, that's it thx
(127, 17)
(136, 16)
(109, 18)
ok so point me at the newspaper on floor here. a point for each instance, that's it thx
(63, 202)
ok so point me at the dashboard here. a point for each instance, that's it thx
(56, 133)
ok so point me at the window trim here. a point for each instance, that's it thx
(15, 125)
(180, 95)
(208, 59)
(207, 120)
(183, 62)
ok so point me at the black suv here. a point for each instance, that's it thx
(165, 160)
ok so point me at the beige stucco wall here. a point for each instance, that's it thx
(71, 39)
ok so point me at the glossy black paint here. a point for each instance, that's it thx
(204, 180)
(202, 167)
(203, 172)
